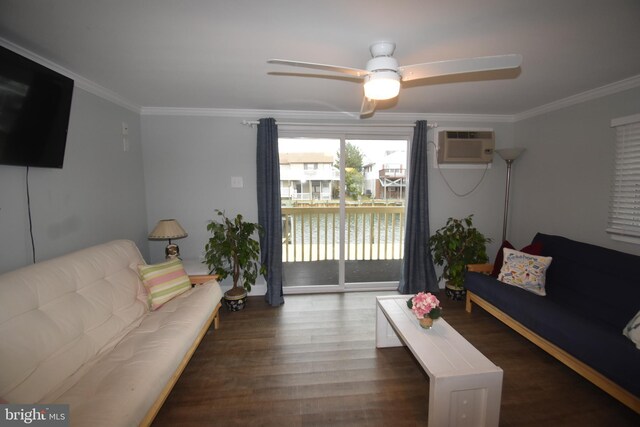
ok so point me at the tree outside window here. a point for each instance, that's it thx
(354, 178)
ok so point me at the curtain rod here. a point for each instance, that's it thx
(254, 123)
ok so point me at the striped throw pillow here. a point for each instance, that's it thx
(164, 281)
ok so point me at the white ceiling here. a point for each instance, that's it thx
(212, 54)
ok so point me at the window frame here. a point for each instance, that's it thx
(631, 233)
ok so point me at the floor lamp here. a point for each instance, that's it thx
(508, 155)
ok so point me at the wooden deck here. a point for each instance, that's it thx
(326, 272)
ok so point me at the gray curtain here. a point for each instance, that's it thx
(418, 273)
(269, 213)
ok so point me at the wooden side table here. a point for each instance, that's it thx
(195, 267)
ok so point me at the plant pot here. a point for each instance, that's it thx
(235, 301)
(455, 294)
(426, 322)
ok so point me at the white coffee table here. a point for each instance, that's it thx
(465, 387)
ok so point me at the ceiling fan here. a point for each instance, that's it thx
(383, 75)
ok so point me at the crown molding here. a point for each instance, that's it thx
(610, 89)
(250, 114)
(78, 80)
(105, 93)
(481, 118)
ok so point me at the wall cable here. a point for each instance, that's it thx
(449, 185)
(33, 246)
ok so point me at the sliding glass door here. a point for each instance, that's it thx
(342, 212)
(309, 188)
(375, 190)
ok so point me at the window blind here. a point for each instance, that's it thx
(624, 207)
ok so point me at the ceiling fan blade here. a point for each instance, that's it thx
(459, 66)
(368, 106)
(336, 69)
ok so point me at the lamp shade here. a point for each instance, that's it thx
(382, 85)
(510, 153)
(167, 229)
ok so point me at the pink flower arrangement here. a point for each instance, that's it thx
(425, 305)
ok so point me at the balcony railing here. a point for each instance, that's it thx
(309, 196)
(392, 173)
(371, 233)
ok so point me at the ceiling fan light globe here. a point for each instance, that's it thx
(382, 85)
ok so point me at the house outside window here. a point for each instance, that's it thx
(624, 207)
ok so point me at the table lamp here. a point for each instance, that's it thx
(168, 229)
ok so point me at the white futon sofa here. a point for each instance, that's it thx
(78, 330)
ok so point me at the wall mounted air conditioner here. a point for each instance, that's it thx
(465, 146)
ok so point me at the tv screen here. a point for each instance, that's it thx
(34, 112)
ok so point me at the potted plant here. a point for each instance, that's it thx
(455, 245)
(426, 307)
(232, 251)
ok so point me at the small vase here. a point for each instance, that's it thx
(426, 322)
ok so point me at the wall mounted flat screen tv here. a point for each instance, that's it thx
(35, 103)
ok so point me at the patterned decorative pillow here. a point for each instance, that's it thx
(524, 270)
(632, 330)
(164, 281)
(534, 248)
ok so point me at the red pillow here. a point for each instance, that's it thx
(534, 248)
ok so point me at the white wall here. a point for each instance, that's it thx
(486, 203)
(97, 196)
(561, 184)
(189, 162)
(188, 165)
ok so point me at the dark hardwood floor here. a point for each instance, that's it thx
(313, 362)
